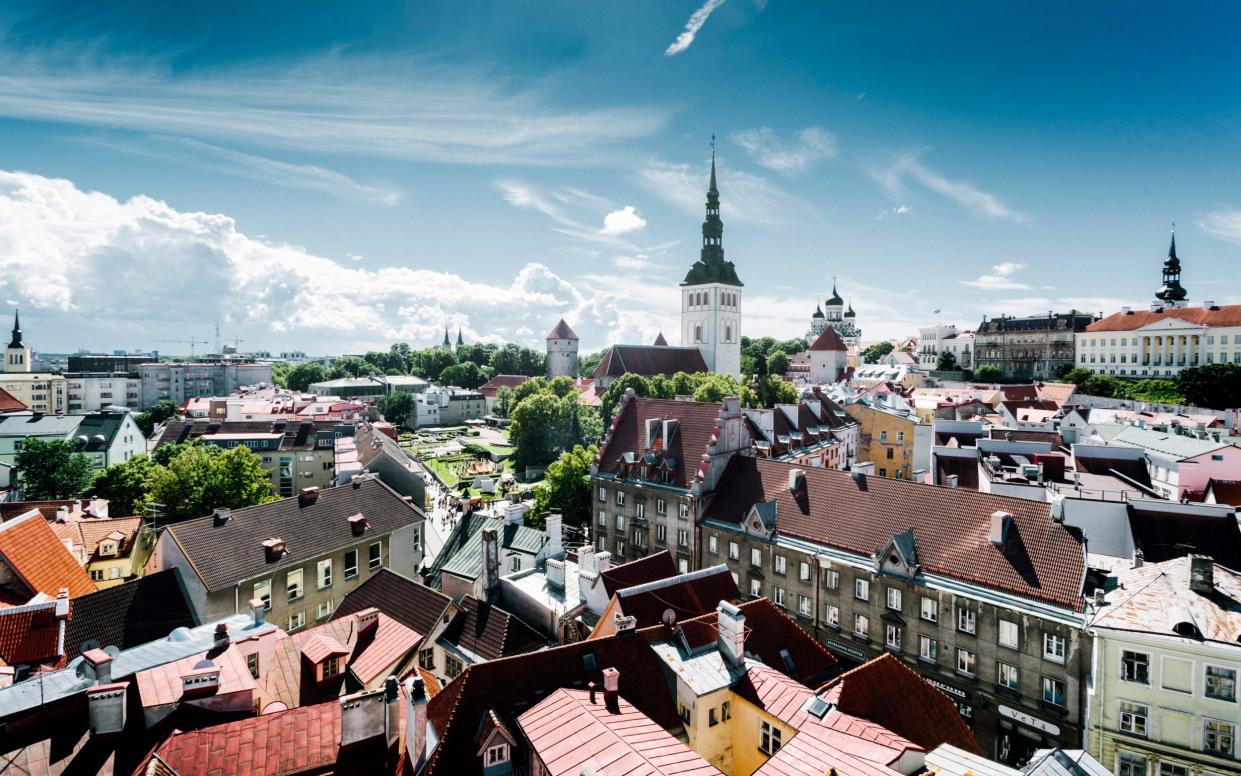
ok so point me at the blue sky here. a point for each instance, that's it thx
(337, 176)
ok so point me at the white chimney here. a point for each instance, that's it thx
(953, 481)
(366, 619)
(416, 722)
(796, 477)
(586, 560)
(62, 514)
(1001, 523)
(555, 573)
(862, 467)
(106, 708)
(555, 538)
(363, 717)
(1208, 304)
(731, 628)
(100, 663)
(258, 612)
(603, 561)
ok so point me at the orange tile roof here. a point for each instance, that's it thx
(30, 548)
(829, 340)
(10, 403)
(1222, 315)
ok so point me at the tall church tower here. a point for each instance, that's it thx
(711, 295)
(1172, 293)
(16, 355)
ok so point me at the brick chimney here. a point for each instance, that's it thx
(730, 624)
(100, 663)
(416, 722)
(307, 496)
(367, 620)
(611, 689)
(106, 708)
(1202, 574)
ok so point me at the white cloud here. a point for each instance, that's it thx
(904, 210)
(639, 262)
(980, 203)
(95, 271)
(899, 210)
(622, 221)
(368, 105)
(811, 145)
(1000, 279)
(696, 20)
(1223, 225)
(743, 197)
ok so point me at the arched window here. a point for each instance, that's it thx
(697, 332)
(728, 332)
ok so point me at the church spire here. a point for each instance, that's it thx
(711, 266)
(16, 342)
(712, 187)
(1171, 292)
(460, 341)
(447, 342)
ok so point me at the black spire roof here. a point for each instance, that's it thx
(711, 266)
(1171, 290)
(818, 312)
(16, 342)
(460, 341)
(835, 300)
(849, 313)
(447, 342)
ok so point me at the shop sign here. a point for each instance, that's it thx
(1027, 720)
(850, 651)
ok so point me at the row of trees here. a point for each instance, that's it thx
(469, 366)
(765, 391)
(188, 480)
(1215, 386)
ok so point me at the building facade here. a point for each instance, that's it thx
(711, 296)
(93, 391)
(833, 315)
(931, 576)
(1037, 347)
(1166, 661)
(41, 392)
(178, 381)
(562, 345)
(934, 341)
(889, 437)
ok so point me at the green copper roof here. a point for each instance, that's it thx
(711, 266)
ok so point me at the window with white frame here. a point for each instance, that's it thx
(620, 548)
(351, 564)
(296, 620)
(781, 564)
(832, 616)
(514, 564)
(756, 588)
(894, 598)
(1172, 769)
(1053, 647)
(1008, 634)
(831, 580)
(1053, 691)
(734, 552)
(620, 523)
(1221, 683)
(1133, 717)
(967, 662)
(324, 609)
(1218, 737)
(661, 533)
(661, 506)
(262, 591)
(639, 510)
(682, 537)
(928, 649)
(603, 494)
(861, 589)
(496, 755)
(803, 571)
(1007, 676)
(967, 620)
(603, 518)
(930, 609)
(1130, 764)
(620, 498)
(777, 596)
(861, 625)
(892, 636)
(325, 573)
(804, 606)
(293, 584)
(684, 512)
(756, 557)
(713, 545)
(768, 737)
(1135, 667)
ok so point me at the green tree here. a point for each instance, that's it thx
(611, 397)
(464, 374)
(513, 359)
(769, 391)
(396, 407)
(566, 486)
(540, 429)
(479, 353)
(591, 425)
(1077, 376)
(196, 481)
(301, 376)
(349, 366)
(946, 362)
(714, 387)
(877, 351)
(777, 363)
(587, 364)
(1217, 386)
(162, 410)
(1101, 385)
(988, 373)
(430, 363)
(503, 402)
(51, 470)
(125, 485)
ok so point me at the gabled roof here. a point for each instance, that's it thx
(561, 330)
(1041, 560)
(1167, 443)
(141, 610)
(493, 386)
(490, 632)
(1164, 531)
(695, 428)
(100, 429)
(410, 603)
(9, 402)
(41, 563)
(1225, 491)
(829, 340)
(656, 566)
(687, 595)
(1222, 315)
(650, 360)
(29, 634)
(659, 340)
(308, 531)
(568, 731)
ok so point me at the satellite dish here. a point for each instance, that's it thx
(114, 652)
(669, 618)
(181, 633)
(85, 671)
(204, 664)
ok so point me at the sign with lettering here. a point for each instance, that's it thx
(850, 651)
(1026, 719)
(949, 689)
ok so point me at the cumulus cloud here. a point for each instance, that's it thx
(809, 146)
(1000, 277)
(622, 221)
(1222, 225)
(696, 20)
(978, 202)
(96, 271)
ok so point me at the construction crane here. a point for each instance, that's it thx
(191, 342)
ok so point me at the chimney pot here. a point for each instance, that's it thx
(222, 514)
(611, 689)
(221, 636)
(1001, 523)
(307, 496)
(730, 625)
(796, 478)
(258, 610)
(106, 708)
(363, 717)
(591, 686)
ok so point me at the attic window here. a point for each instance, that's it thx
(818, 707)
(787, 659)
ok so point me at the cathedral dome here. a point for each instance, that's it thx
(818, 312)
(849, 313)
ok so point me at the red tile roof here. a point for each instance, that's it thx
(688, 595)
(493, 386)
(1041, 558)
(657, 565)
(1223, 315)
(695, 430)
(490, 632)
(829, 340)
(301, 740)
(889, 693)
(42, 564)
(405, 600)
(567, 731)
(29, 634)
(650, 360)
(561, 331)
(659, 340)
(9, 402)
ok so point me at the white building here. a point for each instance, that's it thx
(711, 296)
(834, 315)
(562, 345)
(829, 358)
(934, 340)
(93, 391)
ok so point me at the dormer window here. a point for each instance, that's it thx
(107, 548)
(330, 668)
(496, 755)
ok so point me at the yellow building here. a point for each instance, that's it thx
(39, 391)
(889, 435)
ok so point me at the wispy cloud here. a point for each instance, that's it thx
(981, 203)
(1001, 277)
(368, 105)
(1222, 225)
(622, 221)
(809, 146)
(743, 197)
(696, 20)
